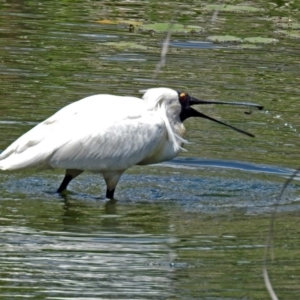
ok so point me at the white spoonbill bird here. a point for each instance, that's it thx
(108, 134)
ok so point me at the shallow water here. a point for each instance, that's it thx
(192, 228)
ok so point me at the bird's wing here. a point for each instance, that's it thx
(115, 146)
(101, 127)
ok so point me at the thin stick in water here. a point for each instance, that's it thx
(164, 51)
(268, 284)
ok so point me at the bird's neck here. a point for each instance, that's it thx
(174, 126)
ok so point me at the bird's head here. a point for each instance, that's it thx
(182, 103)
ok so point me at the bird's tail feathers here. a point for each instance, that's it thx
(17, 161)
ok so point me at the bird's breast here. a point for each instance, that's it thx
(167, 150)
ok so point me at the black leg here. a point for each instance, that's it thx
(65, 183)
(70, 174)
(111, 180)
(110, 194)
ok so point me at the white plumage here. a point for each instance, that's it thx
(107, 134)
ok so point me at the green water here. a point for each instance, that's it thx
(191, 230)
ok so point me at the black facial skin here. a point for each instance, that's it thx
(187, 111)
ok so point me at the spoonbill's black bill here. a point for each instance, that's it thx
(108, 134)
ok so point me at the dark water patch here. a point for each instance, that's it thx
(236, 165)
(9, 122)
(102, 37)
(125, 57)
(194, 44)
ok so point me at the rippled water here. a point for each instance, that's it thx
(192, 228)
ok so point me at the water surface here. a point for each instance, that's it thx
(192, 228)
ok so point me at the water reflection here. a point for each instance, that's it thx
(84, 256)
(93, 249)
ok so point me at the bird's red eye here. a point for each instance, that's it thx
(182, 97)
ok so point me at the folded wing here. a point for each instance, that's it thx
(99, 133)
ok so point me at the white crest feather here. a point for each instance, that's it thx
(176, 139)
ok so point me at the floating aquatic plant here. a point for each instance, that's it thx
(248, 46)
(164, 27)
(235, 39)
(260, 40)
(232, 8)
(126, 45)
(295, 34)
(119, 22)
(224, 39)
(289, 25)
